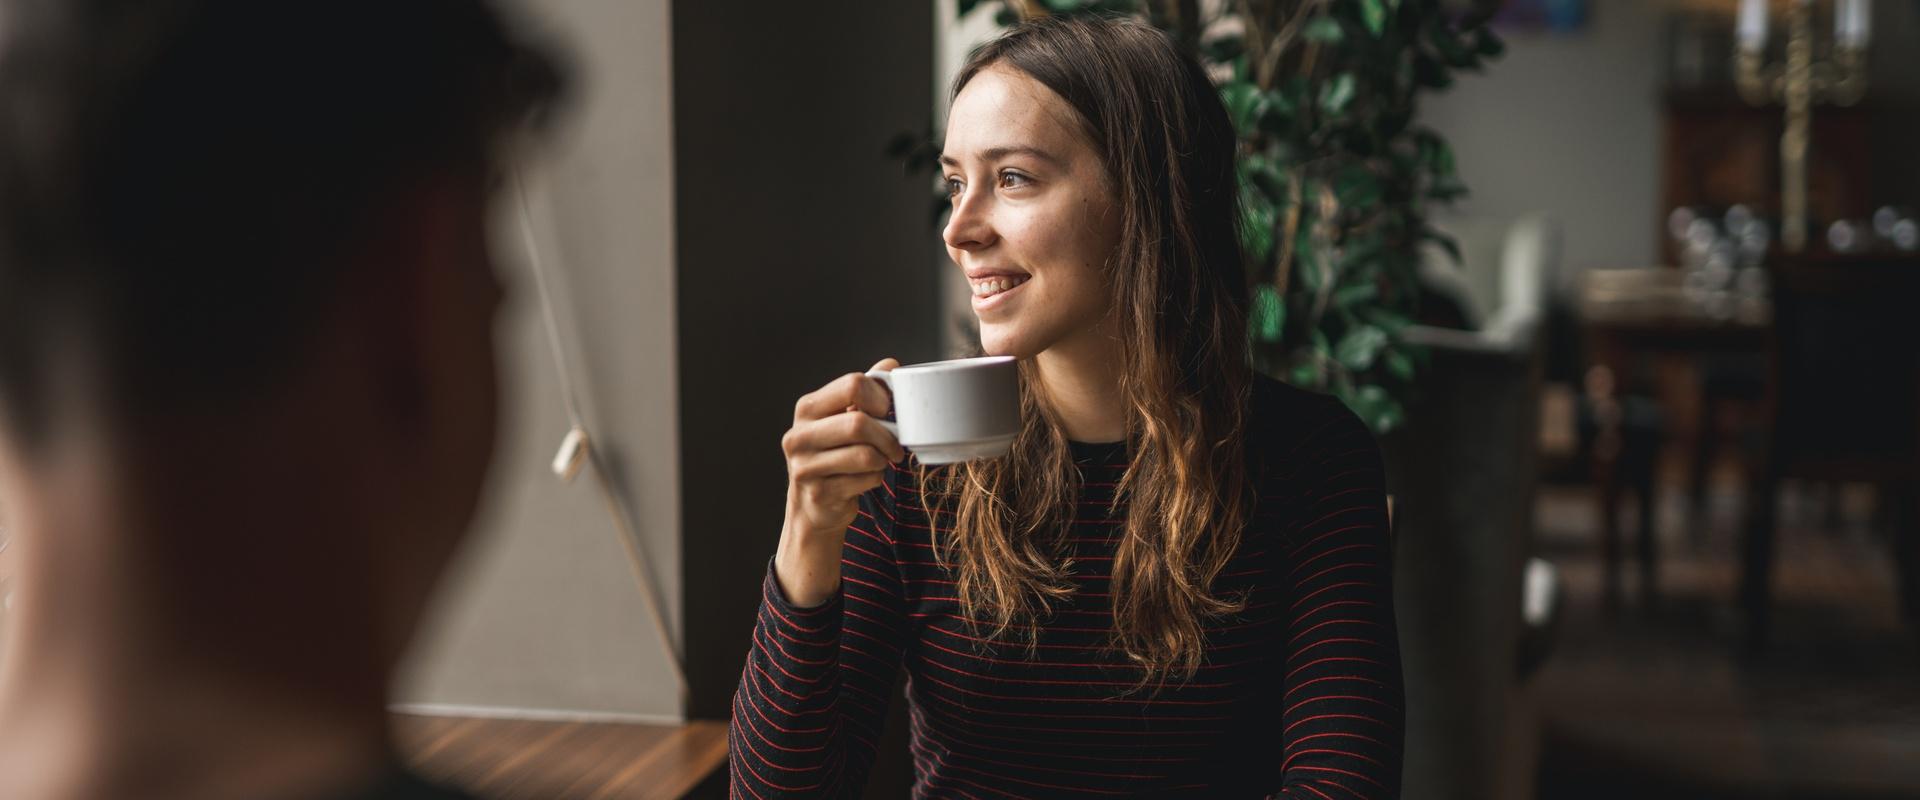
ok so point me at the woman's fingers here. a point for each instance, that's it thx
(842, 429)
(852, 389)
(836, 451)
(858, 459)
(843, 490)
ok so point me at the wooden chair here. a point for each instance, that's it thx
(1844, 405)
(1462, 473)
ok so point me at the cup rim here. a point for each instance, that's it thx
(953, 364)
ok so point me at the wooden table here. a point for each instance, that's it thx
(1628, 314)
(507, 759)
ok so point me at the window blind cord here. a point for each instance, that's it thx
(577, 450)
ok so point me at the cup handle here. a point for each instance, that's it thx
(885, 377)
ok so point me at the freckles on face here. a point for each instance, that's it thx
(1034, 222)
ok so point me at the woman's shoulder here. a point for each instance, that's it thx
(1291, 425)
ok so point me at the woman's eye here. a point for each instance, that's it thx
(954, 187)
(1010, 180)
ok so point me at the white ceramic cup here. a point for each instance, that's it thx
(953, 411)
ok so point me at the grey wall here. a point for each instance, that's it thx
(1568, 124)
(802, 255)
(541, 612)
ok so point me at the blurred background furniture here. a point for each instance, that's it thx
(1463, 473)
(1630, 316)
(1845, 397)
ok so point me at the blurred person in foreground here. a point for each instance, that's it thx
(247, 387)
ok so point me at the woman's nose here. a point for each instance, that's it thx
(969, 226)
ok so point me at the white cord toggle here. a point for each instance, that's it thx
(572, 455)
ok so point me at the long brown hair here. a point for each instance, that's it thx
(1179, 298)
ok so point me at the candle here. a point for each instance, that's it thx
(1753, 24)
(1852, 21)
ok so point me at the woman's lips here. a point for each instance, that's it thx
(991, 293)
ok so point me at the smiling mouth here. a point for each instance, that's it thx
(983, 289)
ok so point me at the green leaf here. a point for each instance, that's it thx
(1453, 52)
(1305, 375)
(1374, 406)
(1446, 242)
(1244, 103)
(966, 7)
(1269, 315)
(1357, 187)
(1430, 73)
(1336, 93)
(1399, 365)
(1361, 260)
(1257, 229)
(1360, 346)
(1442, 159)
(1224, 50)
(1487, 44)
(1393, 322)
(1375, 15)
(1292, 94)
(1357, 293)
(1258, 239)
(1323, 29)
(1447, 189)
(1265, 176)
(1307, 267)
(1322, 349)
(1390, 414)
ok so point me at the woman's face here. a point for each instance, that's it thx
(1034, 219)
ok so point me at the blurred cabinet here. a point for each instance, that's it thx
(1720, 151)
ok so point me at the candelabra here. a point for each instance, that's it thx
(1803, 80)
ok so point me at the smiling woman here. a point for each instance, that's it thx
(1177, 581)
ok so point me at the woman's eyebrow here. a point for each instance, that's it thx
(997, 153)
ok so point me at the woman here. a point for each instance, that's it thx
(1177, 583)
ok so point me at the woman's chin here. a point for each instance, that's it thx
(997, 343)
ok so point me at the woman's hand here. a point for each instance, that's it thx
(836, 451)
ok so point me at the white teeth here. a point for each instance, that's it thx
(993, 286)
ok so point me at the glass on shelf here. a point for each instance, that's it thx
(1848, 236)
(1679, 221)
(1897, 227)
(1723, 261)
(1905, 235)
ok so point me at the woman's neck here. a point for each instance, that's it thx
(1081, 378)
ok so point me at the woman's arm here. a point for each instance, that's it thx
(816, 687)
(1344, 706)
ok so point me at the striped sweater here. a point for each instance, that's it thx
(1299, 695)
